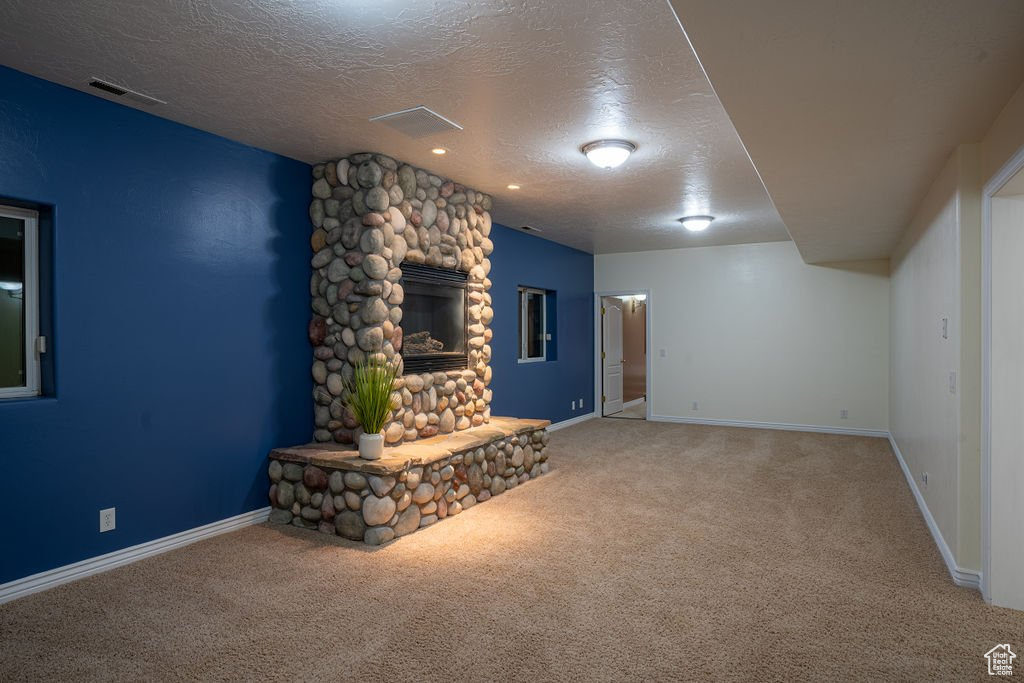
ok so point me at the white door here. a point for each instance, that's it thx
(611, 318)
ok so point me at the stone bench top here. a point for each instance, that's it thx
(398, 458)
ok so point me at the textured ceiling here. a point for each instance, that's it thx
(529, 81)
(849, 108)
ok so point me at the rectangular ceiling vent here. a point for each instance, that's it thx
(418, 122)
(126, 93)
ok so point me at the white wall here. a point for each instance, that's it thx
(1007, 387)
(936, 271)
(936, 428)
(1005, 558)
(754, 334)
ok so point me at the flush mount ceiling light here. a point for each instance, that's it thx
(696, 223)
(513, 186)
(608, 153)
(439, 151)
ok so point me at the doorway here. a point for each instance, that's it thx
(1002, 452)
(623, 358)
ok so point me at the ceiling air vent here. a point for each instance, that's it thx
(418, 122)
(126, 93)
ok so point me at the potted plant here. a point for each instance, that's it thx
(369, 396)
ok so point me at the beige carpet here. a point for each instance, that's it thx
(650, 552)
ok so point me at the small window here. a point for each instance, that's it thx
(19, 302)
(533, 317)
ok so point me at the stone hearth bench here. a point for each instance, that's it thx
(330, 488)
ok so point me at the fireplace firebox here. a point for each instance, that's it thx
(433, 319)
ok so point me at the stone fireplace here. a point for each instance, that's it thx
(400, 269)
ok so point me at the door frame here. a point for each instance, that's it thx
(1014, 165)
(598, 342)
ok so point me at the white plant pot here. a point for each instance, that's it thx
(371, 446)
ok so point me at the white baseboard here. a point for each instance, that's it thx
(967, 578)
(54, 577)
(573, 421)
(634, 402)
(880, 433)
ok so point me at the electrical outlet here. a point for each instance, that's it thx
(844, 414)
(952, 382)
(695, 405)
(924, 479)
(574, 405)
(661, 353)
(581, 403)
(108, 519)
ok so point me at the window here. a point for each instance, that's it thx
(533, 336)
(19, 302)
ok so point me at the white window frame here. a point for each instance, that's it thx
(31, 298)
(523, 340)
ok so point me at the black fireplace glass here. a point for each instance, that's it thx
(433, 319)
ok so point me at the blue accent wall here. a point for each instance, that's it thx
(543, 389)
(181, 298)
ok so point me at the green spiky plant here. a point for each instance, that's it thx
(368, 394)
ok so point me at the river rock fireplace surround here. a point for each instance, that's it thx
(400, 268)
(371, 217)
